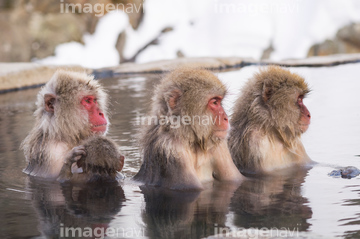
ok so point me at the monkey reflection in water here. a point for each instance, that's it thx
(273, 201)
(63, 206)
(186, 214)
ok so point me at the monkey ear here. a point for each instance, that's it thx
(267, 92)
(49, 100)
(174, 98)
(121, 165)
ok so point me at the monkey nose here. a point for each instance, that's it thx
(101, 114)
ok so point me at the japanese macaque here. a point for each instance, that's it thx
(71, 107)
(268, 121)
(98, 157)
(185, 143)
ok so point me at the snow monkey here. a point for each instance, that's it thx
(99, 158)
(71, 107)
(184, 144)
(268, 120)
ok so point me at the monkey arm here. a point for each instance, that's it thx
(223, 165)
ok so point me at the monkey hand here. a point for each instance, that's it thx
(75, 154)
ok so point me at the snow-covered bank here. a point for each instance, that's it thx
(14, 76)
(20, 76)
(223, 63)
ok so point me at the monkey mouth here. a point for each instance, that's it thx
(99, 125)
(304, 127)
(99, 128)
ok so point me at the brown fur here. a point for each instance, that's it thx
(55, 134)
(184, 157)
(101, 163)
(265, 131)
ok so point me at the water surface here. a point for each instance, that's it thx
(302, 202)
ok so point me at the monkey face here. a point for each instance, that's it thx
(220, 118)
(305, 116)
(96, 116)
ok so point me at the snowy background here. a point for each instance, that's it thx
(206, 28)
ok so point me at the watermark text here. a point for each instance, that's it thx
(99, 9)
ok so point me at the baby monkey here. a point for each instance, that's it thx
(99, 159)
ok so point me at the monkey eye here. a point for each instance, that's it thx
(300, 99)
(215, 101)
(88, 100)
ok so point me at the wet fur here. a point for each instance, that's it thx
(182, 158)
(66, 127)
(265, 133)
(99, 165)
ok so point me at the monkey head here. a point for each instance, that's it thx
(73, 107)
(194, 96)
(103, 159)
(277, 96)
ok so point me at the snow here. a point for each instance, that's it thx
(98, 49)
(221, 28)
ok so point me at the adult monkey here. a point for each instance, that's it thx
(71, 107)
(268, 121)
(187, 146)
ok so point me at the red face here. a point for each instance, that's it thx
(305, 115)
(96, 116)
(220, 118)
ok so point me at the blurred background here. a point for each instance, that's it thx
(93, 34)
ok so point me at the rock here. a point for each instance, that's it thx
(33, 28)
(15, 42)
(6, 4)
(49, 30)
(347, 172)
(350, 34)
(16, 76)
(347, 40)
